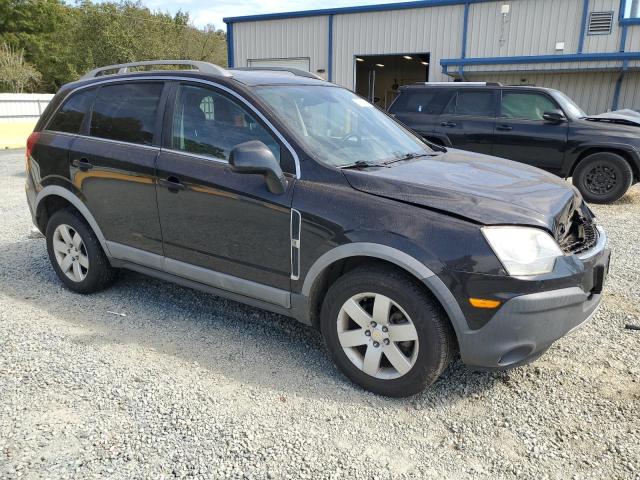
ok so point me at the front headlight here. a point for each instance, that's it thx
(523, 250)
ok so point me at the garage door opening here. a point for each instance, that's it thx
(378, 77)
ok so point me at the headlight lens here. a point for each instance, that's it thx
(523, 250)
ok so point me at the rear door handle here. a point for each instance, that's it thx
(172, 184)
(504, 128)
(82, 164)
(448, 124)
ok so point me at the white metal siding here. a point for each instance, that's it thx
(437, 30)
(630, 91)
(633, 38)
(604, 43)
(532, 27)
(290, 38)
(20, 107)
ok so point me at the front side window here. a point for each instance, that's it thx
(70, 116)
(210, 123)
(528, 106)
(478, 103)
(126, 112)
(429, 102)
(569, 106)
(337, 126)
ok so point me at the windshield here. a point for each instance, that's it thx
(340, 127)
(569, 106)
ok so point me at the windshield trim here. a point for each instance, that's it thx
(422, 147)
(567, 104)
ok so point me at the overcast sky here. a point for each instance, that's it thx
(203, 12)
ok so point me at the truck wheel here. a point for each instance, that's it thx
(384, 332)
(76, 254)
(603, 177)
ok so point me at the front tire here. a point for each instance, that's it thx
(384, 332)
(76, 254)
(603, 177)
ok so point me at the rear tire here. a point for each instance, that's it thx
(603, 177)
(76, 254)
(414, 341)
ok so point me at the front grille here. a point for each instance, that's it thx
(581, 235)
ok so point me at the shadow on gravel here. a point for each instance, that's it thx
(248, 345)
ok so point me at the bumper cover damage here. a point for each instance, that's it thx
(526, 325)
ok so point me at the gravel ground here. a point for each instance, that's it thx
(190, 385)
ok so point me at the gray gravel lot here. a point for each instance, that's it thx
(187, 384)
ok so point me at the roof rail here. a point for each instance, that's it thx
(122, 68)
(293, 71)
(483, 84)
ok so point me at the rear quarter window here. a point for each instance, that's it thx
(70, 116)
(126, 112)
(421, 101)
(479, 103)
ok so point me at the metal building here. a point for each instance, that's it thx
(588, 48)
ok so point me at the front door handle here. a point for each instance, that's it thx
(172, 184)
(504, 128)
(82, 164)
(448, 124)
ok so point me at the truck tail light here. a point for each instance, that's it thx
(31, 142)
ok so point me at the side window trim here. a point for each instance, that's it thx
(86, 121)
(62, 104)
(291, 152)
(523, 92)
(85, 128)
(169, 111)
(454, 99)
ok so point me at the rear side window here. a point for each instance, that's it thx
(528, 106)
(69, 117)
(422, 101)
(478, 103)
(126, 112)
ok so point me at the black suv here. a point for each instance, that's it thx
(537, 126)
(292, 194)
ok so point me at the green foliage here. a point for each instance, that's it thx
(16, 75)
(63, 41)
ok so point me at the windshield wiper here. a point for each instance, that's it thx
(407, 156)
(361, 164)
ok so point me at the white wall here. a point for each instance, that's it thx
(291, 38)
(435, 30)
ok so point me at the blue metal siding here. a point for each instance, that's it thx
(583, 26)
(230, 45)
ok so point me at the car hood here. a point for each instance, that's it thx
(480, 188)
(625, 117)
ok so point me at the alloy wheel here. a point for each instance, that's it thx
(377, 336)
(70, 253)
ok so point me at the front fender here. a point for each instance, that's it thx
(571, 160)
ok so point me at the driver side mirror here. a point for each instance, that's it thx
(554, 116)
(255, 157)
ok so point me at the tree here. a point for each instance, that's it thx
(16, 75)
(64, 41)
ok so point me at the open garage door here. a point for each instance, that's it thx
(301, 63)
(378, 77)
